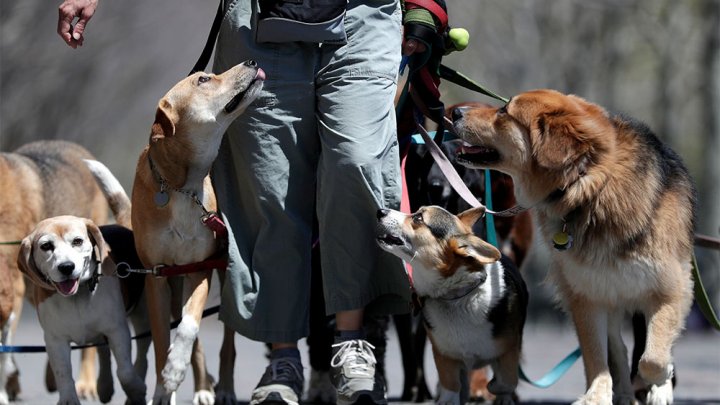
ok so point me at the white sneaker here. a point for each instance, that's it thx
(353, 374)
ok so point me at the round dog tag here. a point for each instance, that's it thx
(562, 241)
(161, 198)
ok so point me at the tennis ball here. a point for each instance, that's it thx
(459, 37)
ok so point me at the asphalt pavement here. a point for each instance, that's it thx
(697, 361)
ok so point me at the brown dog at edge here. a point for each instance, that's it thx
(616, 209)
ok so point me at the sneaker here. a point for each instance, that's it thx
(353, 374)
(282, 383)
(320, 389)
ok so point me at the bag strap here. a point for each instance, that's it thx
(204, 59)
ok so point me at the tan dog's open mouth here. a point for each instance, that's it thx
(470, 155)
(251, 88)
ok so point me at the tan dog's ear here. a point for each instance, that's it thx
(474, 251)
(26, 264)
(557, 140)
(469, 217)
(165, 118)
(97, 240)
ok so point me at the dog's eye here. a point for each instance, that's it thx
(502, 110)
(203, 79)
(417, 218)
(77, 242)
(46, 246)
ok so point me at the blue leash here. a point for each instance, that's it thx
(561, 368)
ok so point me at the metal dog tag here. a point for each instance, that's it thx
(161, 199)
(562, 241)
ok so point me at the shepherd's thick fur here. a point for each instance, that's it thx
(628, 203)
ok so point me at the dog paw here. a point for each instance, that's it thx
(203, 397)
(105, 389)
(87, 389)
(504, 399)
(655, 372)
(593, 399)
(179, 354)
(162, 398)
(660, 394)
(12, 386)
(225, 397)
(447, 397)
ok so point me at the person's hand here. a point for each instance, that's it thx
(411, 46)
(68, 11)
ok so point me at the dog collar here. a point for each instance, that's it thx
(461, 292)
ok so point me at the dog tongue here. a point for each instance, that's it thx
(67, 287)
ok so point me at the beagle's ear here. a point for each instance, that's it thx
(101, 251)
(474, 251)
(469, 217)
(26, 263)
(165, 119)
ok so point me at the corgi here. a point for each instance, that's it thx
(474, 300)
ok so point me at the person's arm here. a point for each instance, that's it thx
(68, 11)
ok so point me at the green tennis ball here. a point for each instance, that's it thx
(459, 37)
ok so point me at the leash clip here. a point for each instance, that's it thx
(123, 270)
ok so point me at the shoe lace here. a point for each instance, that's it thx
(357, 354)
(285, 369)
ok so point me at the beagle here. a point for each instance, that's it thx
(79, 300)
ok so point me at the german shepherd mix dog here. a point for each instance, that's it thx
(616, 208)
(474, 302)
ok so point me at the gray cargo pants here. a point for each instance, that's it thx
(321, 138)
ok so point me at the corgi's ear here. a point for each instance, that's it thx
(469, 217)
(474, 251)
(26, 263)
(165, 118)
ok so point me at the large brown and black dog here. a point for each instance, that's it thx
(39, 180)
(171, 193)
(616, 208)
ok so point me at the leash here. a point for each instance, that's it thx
(123, 269)
(456, 182)
(204, 59)
(12, 242)
(701, 295)
(42, 349)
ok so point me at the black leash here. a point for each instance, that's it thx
(207, 51)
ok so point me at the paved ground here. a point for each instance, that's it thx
(697, 361)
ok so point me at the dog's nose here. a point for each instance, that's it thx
(66, 268)
(457, 114)
(382, 212)
(251, 63)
